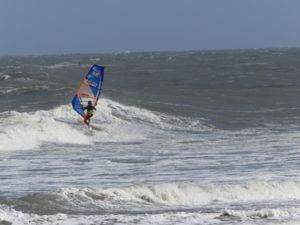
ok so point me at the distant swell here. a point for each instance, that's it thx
(12, 90)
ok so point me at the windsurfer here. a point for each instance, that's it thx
(89, 113)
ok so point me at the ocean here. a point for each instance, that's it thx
(187, 137)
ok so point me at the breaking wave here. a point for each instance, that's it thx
(181, 200)
(117, 122)
(154, 196)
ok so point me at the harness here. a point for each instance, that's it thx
(90, 112)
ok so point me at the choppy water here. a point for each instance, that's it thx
(187, 138)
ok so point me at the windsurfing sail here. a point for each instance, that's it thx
(89, 89)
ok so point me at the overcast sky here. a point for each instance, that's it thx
(83, 26)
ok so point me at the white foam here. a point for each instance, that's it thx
(7, 90)
(23, 79)
(4, 76)
(169, 203)
(30, 130)
(278, 213)
(20, 218)
(184, 194)
(61, 65)
(119, 123)
(163, 195)
(140, 115)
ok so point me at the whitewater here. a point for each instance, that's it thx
(215, 146)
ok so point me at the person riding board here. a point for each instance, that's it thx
(89, 113)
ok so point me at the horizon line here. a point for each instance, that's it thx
(144, 51)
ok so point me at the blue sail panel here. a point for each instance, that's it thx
(89, 89)
(77, 106)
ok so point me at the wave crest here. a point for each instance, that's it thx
(118, 123)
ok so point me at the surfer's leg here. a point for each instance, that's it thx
(87, 120)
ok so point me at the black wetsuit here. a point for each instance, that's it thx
(90, 109)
